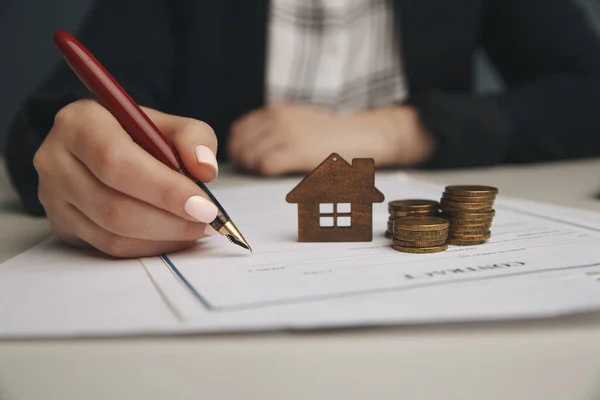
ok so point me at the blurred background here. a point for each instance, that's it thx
(27, 50)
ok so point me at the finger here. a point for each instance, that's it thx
(243, 131)
(99, 142)
(115, 245)
(55, 212)
(120, 214)
(195, 142)
(254, 153)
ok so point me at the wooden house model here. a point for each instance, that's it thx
(335, 201)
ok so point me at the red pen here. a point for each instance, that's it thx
(134, 121)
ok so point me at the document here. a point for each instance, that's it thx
(541, 261)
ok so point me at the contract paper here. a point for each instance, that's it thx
(541, 261)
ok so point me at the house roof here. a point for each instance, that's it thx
(336, 181)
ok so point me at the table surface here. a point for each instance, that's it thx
(547, 359)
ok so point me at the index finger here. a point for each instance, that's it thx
(99, 142)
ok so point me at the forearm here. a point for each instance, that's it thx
(548, 119)
(396, 135)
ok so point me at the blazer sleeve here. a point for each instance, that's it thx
(549, 58)
(132, 39)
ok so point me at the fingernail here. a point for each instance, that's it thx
(210, 231)
(201, 209)
(206, 157)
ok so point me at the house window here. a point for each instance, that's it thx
(335, 215)
(326, 208)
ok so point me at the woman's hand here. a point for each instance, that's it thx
(295, 139)
(101, 189)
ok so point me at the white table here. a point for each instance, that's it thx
(550, 359)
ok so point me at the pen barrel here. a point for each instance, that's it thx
(222, 216)
(219, 222)
(109, 93)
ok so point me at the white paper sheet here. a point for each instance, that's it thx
(541, 261)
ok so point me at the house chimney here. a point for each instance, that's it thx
(364, 169)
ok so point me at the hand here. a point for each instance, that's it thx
(101, 189)
(295, 139)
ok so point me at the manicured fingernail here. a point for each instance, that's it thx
(201, 209)
(210, 231)
(206, 157)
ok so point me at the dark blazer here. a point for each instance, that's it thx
(206, 59)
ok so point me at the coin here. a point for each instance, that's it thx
(460, 212)
(419, 243)
(412, 205)
(416, 213)
(454, 214)
(464, 242)
(484, 236)
(420, 235)
(420, 224)
(475, 231)
(469, 199)
(471, 190)
(485, 206)
(469, 223)
(421, 250)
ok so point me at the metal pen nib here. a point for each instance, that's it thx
(233, 234)
(222, 223)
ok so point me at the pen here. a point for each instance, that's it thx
(134, 121)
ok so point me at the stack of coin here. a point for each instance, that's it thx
(470, 211)
(422, 235)
(409, 208)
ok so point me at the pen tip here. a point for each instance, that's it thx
(235, 236)
(241, 243)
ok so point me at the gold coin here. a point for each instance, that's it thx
(480, 230)
(419, 243)
(421, 250)
(420, 224)
(412, 205)
(459, 212)
(469, 232)
(455, 222)
(418, 213)
(471, 199)
(484, 236)
(488, 205)
(464, 216)
(463, 242)
(421, 235)
(466, 208)
(454, 214)
(471, 190)
(469, 222)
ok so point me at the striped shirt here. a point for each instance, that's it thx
(342, 55)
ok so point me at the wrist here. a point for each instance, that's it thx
(418, 143)
(396, 136)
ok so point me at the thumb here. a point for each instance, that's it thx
(194, 140)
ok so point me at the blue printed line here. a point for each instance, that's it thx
(185, 282)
